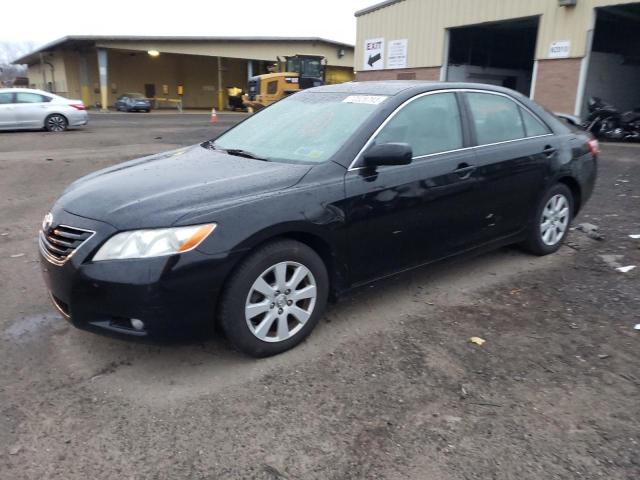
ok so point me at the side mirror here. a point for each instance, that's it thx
(388, 154)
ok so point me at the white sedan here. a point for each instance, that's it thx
(26, 108)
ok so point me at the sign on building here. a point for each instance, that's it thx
(560, 49)
(373, 54)
(397, 53)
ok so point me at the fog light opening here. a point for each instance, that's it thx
(137, 324)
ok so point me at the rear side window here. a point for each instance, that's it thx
(27, 97)
(496, 118)
(430, 124)
(6, 98)
(533, 127)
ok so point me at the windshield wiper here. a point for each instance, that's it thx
(243, 153)
(238, 152)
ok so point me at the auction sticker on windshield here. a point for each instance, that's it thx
(368, 99)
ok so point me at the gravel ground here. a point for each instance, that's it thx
(388, 386)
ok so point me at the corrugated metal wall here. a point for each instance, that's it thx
(424, 22)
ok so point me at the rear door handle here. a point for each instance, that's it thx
(549, 150)
(464, 170)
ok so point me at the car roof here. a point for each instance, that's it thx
(30, 90)
(395, 87)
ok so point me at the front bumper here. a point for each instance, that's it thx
(173, 296)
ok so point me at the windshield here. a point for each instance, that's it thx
(303, 128)
(309, 67)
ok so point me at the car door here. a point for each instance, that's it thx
(7, 111)
(513, 154)
(31, 109)
(400, 216)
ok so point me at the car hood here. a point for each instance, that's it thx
(169, 188)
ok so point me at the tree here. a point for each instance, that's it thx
(9, 51)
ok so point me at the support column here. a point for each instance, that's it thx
(220, 88)
(44, 75)
(534, 79)
(249, 69)
(84, 80)
(584, 66)
(445, 56)
(104, 83)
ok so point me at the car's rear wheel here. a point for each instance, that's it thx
(56, 123)
(553, 218)
(275, 298)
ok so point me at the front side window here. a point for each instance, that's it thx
(496, 118)
(27, 97)
(307, 127)
(430, 124)
(6, 98)
(311, 68)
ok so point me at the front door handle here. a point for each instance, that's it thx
(549, 150)
(464, 170)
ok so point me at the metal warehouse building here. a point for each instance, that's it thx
(195, 70)
(559, 52)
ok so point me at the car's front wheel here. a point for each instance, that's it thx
(274, 298)
(552, 220)
(56, 123)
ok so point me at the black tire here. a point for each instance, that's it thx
(56, 123)
(239, 286)
(535, 242)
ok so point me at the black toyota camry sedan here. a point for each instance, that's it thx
(321, 192)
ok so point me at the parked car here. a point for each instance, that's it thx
(324, 191)
(133, 102)
(27, 108)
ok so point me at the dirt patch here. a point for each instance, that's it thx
(388, 387)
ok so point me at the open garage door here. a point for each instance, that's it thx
(498, 53)
(614, 64)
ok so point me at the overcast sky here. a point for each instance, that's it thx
(332, 19)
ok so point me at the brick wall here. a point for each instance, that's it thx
(427, 73)
(557, 84)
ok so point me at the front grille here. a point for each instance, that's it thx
(60, 243)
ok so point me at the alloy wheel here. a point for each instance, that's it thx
(555, 219)
(56, 123)
(280, 301)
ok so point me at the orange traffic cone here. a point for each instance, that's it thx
(214, 116)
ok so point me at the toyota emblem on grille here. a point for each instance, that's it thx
(47, 222)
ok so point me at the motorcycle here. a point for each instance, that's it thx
(606, 121)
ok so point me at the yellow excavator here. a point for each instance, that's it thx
(296, 73)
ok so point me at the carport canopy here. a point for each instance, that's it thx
(72, 65)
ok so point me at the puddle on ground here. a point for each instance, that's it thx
(25, 327)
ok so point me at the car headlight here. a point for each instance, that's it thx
(153, 242)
